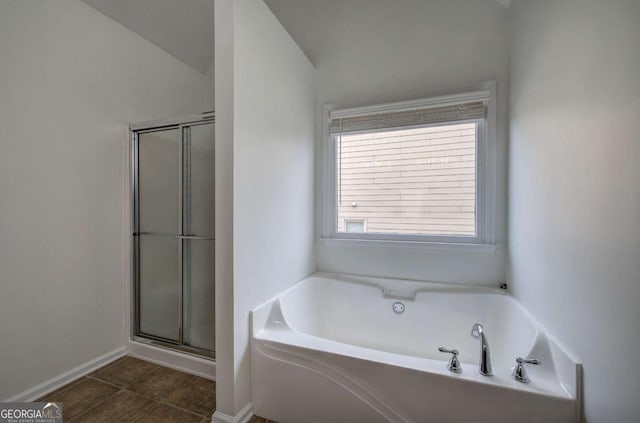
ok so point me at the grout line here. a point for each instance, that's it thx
(155, 402)
(144, 411)
(60, 389)
(181, 409)
(164, 400)
(141, 379)
(147, 411)
(89, 409)
(105, 382)
(132, 383)
(188, 381)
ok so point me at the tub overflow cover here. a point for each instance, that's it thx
(398, 307)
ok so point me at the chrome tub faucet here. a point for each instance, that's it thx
(520, 372)
(477, 331)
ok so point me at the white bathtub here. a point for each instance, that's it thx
(332, 349)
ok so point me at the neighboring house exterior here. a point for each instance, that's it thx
(413, 181)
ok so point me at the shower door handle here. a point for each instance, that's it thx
(202, 238)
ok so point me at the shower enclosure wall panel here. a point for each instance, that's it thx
(198, 254)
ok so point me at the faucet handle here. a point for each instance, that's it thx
(454, 363)
(477, 330)
(520, 371)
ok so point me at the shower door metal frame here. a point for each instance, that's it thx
(136, 333)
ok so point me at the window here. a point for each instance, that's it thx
(414, 171)
(354, 225)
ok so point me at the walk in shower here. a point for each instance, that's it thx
(173, 234)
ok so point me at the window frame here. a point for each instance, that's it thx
(484, 239)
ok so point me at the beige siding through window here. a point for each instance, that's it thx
(409, 181)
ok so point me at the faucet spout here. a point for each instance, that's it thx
(477, 331)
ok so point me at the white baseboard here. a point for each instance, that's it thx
(67, 377)
(173, 359)
(243, 416)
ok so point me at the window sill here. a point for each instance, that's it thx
(410, 245)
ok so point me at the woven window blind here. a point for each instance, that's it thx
(397, 119)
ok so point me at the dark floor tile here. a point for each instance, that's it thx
(164, 413)
(124, 371)
(57, 392)
(123, 407)
(158, 383)
(257, 419)
(81, 396)
(198, 396)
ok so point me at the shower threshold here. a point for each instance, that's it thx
(164, 343)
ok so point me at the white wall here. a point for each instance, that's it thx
(209, 88)
(373, 51)
(574, 194)
(70, 81)
(271, 125)
(224, 132)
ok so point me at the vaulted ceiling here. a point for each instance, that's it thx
(320, 26)
(184, 28)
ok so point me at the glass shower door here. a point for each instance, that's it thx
(174, 236)
(158, 264)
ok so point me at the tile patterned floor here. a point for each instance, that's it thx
(134, 390)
